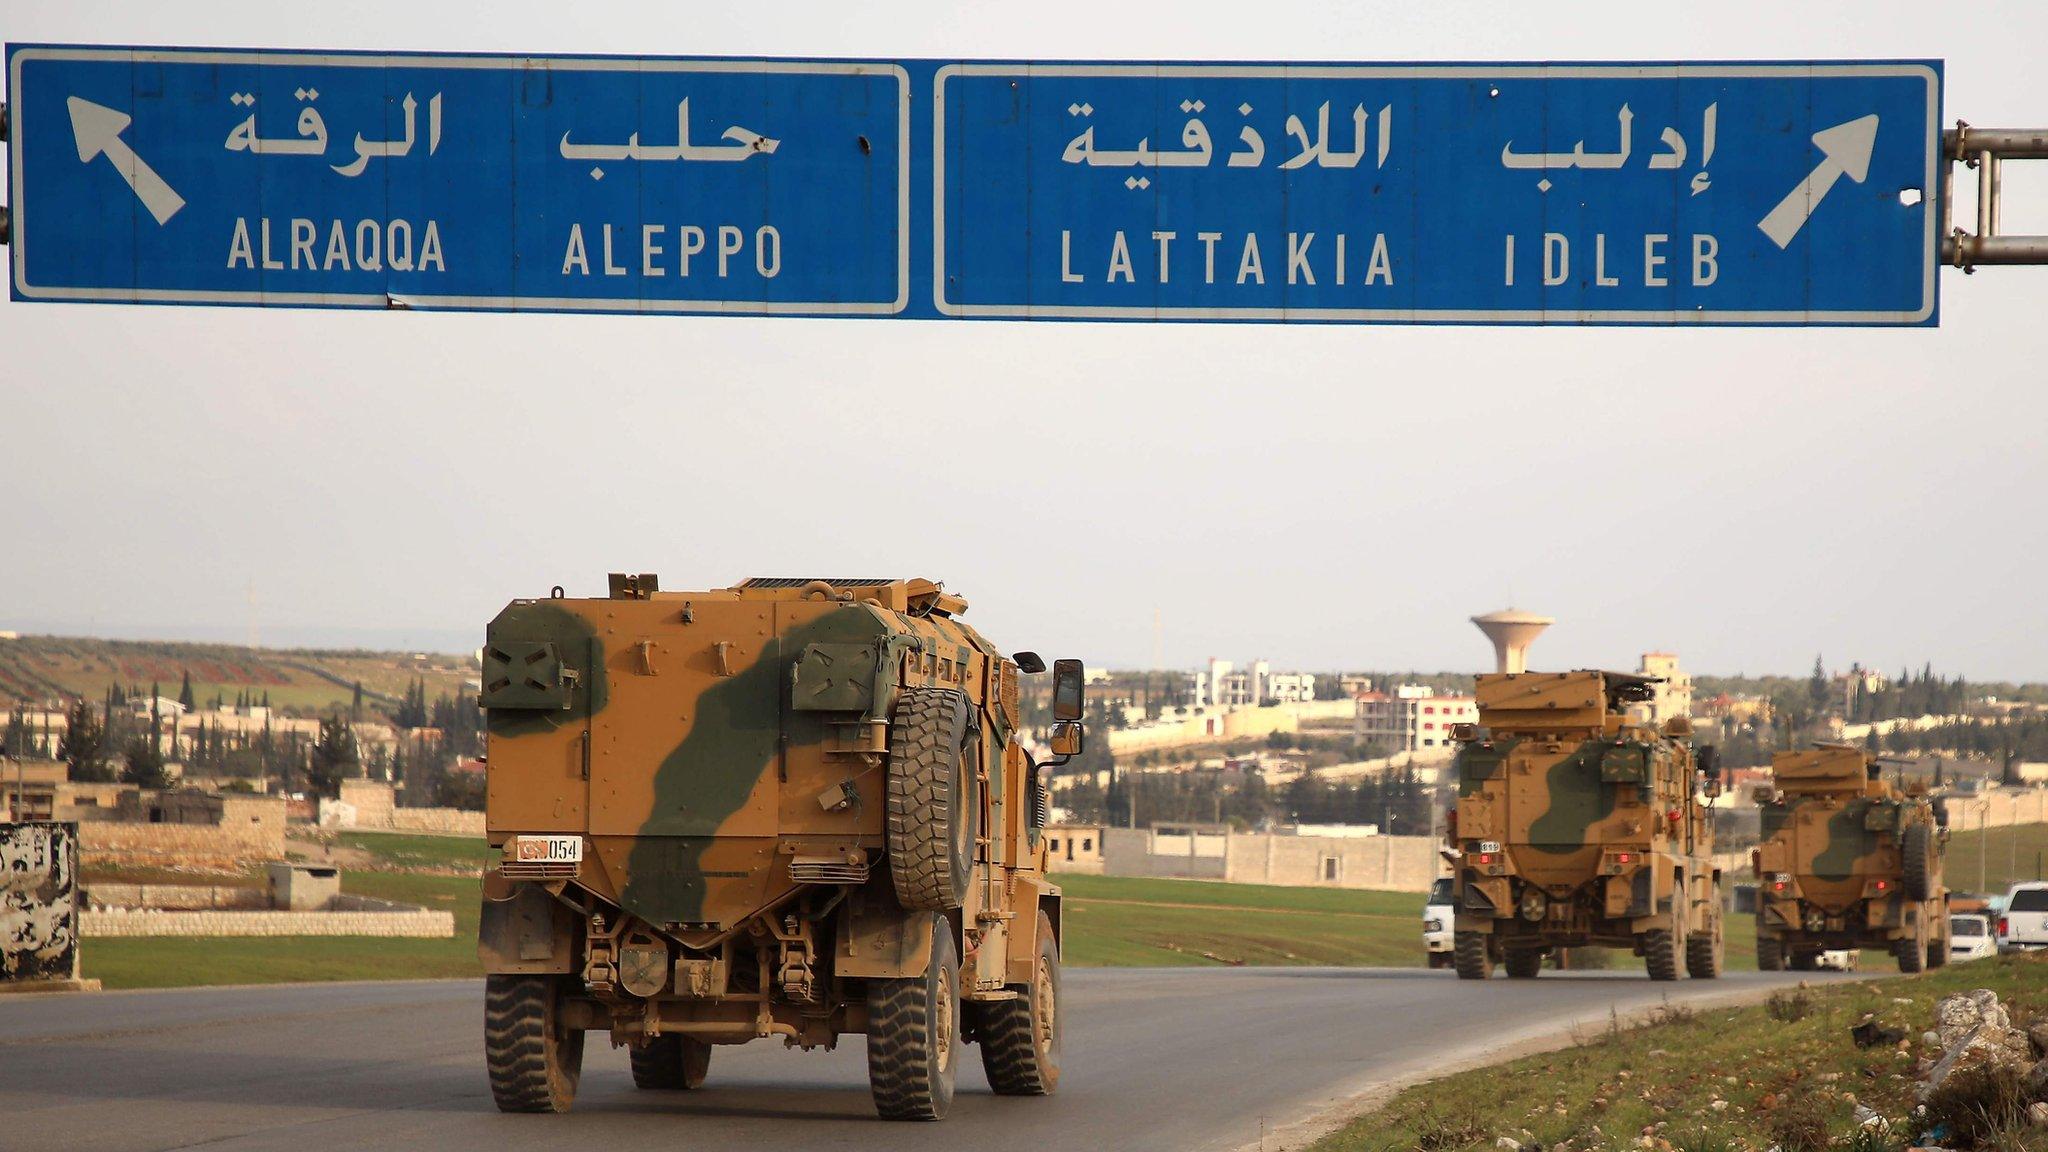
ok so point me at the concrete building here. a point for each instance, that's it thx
(1413, 718)
(1213, 852)
(1291, 687)
(1074, 848)
(43, 790)
(1674, 695)
(1223, 685)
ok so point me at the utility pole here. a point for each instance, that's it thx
(1983, 845)
(2012, 846)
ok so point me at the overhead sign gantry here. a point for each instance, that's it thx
(1685, 194)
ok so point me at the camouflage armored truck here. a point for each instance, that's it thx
(1575, 827)
(796, 808)
(1848, 861)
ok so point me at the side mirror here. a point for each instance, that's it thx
(1067, 739)
(1941, 812)
(1709, 760)
(1029, 663)
(1068, 690)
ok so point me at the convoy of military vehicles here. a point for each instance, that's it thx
(1575, 826)
(806, 808)
(796, 808)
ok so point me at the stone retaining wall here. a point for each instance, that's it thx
(218, 846)
(352, 916)
(1391, 863)
(438, 821)
(176, 897)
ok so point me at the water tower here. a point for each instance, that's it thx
(1512, 632)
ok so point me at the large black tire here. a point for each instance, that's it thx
(1660, 953)
(1703, 956)
(1770, 954)
(934, 814)
(671, 1063)
(1916, 847)
(1472, 955)
(1911, 951)
(1804, 961)
(914, 1035)
(1938, 946)
(1664, 948)
(1524, 963)
(1020, 1039)
(535, 1061)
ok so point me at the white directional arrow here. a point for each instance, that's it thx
(1845, 151)
(98, 130)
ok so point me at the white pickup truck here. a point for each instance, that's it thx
(1439, 924)
(2023, 922)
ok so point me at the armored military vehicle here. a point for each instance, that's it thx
(1575, 827)
(795, 807)
(1848, 860)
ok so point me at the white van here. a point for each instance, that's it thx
(2023, 923)
(1439, 924)
(1969, 937)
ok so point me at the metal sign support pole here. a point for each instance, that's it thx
(1986, 150)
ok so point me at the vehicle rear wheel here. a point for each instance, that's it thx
(535, 1061)
(933, 813)
(1804, 961)
(1916, 848)
(1938, 949)
(1472, 956)
(1660, 954)
(914, 1035)
(671, 1063)
(1524, 963)
(1703, 950)
(1770, 954)
(1663, 947)
(1911, 951)
(1020, 1039)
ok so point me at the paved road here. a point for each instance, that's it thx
(1172, 1060)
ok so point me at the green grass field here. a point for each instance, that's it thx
(1114, 921)
(404, 850)
(179, 961)
(1999, 855)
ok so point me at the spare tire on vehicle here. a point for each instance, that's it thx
(934, 813)
(1916, 847)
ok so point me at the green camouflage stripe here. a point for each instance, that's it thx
(736, 730)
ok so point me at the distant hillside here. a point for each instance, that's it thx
(39, 668)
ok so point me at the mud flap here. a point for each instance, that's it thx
(1034, 894)
(528, 933)
(883, 941)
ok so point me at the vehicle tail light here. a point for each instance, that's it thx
(1623, 857)
(1674, 816)
(2004, 926)
(1883, 884)
(1777, 885)
(1486, 857)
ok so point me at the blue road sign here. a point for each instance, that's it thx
(1770, 193)
(228, 177)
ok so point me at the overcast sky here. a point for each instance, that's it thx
(1321, 496)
